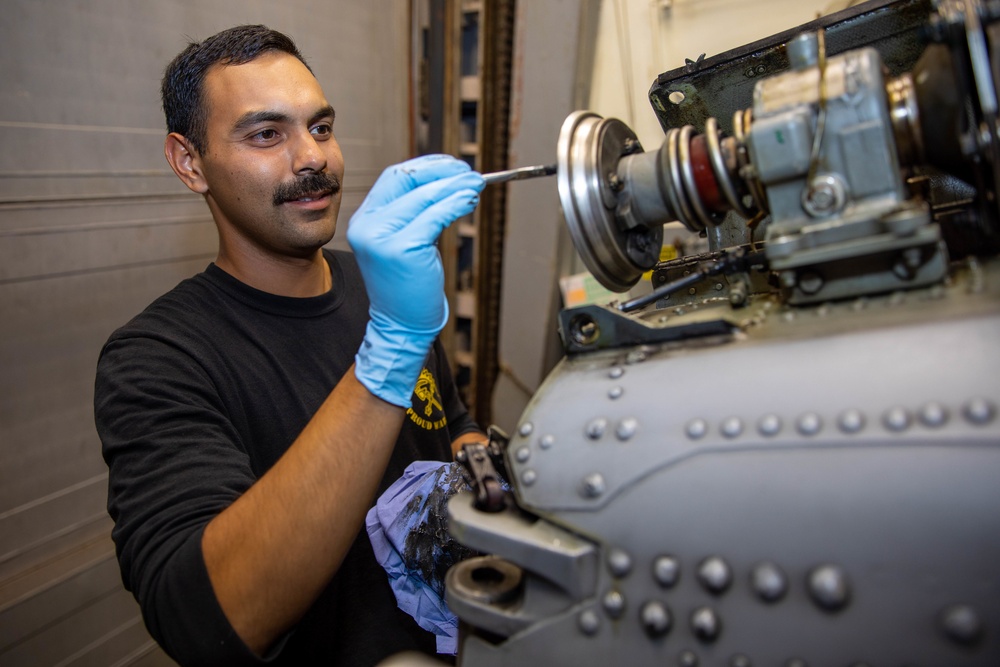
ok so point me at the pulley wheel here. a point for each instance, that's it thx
(588, 151)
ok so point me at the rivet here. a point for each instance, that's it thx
(979, 411)
(666, 571)
(788, 316)
(656, 619)
(851, 421)
(525, 430)
(769, 425)
(769, 582)
(687, 659)
(933, 415)
(740, 660)
(615, 393)
(828, 587)
(529, 477)
(593, 485)
(596, 428)
(809, 424)
(627, 428)
(589, 622)
(547, 441)
(705, 624)
(522, 454)
(616, 372)
(696, 429)
(619, 562)
(732, 427)
(714, 574)
(614, 604)
(961, 624)
(796, 662)
(718, 287)
(896, 419)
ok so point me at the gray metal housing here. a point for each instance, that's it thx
(820, 485)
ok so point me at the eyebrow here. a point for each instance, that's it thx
(251, 118)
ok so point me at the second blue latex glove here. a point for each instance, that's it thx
(393, 237)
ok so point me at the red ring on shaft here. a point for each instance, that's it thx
(704, 177)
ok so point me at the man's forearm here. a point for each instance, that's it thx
(272, 552)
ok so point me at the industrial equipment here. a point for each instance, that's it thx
(787, 453)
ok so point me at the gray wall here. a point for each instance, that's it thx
(553, 59)
(93, 226)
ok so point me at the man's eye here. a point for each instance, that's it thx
(322, 131)
(265, 135)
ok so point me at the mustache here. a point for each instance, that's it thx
(304, 186)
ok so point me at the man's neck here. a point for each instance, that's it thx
(286, 276)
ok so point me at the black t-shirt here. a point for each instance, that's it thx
(199, 396)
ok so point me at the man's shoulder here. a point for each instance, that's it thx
(185, 306)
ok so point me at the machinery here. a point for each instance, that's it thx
(787, 452)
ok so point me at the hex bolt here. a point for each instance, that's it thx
(810, 282)
(821, 198)
(630, 146)
(825, 195)
(615, 182)
(593, 485)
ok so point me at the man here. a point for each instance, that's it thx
(244, 447)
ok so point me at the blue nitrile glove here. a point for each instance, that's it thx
(393, 235)
(409, 535)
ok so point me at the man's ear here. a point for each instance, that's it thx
(185, 162)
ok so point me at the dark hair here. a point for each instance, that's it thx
(184, 80)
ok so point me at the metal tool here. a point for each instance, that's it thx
(520, 173)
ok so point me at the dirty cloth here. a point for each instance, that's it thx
(408, 529)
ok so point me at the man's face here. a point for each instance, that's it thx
(272, 167)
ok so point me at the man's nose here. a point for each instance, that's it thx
(309, 154)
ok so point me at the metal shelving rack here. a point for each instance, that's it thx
(462, 53)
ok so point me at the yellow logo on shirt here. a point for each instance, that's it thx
(428, 408)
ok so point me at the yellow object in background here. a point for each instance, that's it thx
(583, 289)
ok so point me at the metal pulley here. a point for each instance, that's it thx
(616, 198)
(589, 150)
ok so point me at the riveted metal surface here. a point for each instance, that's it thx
(838, 538)
(828, 349)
